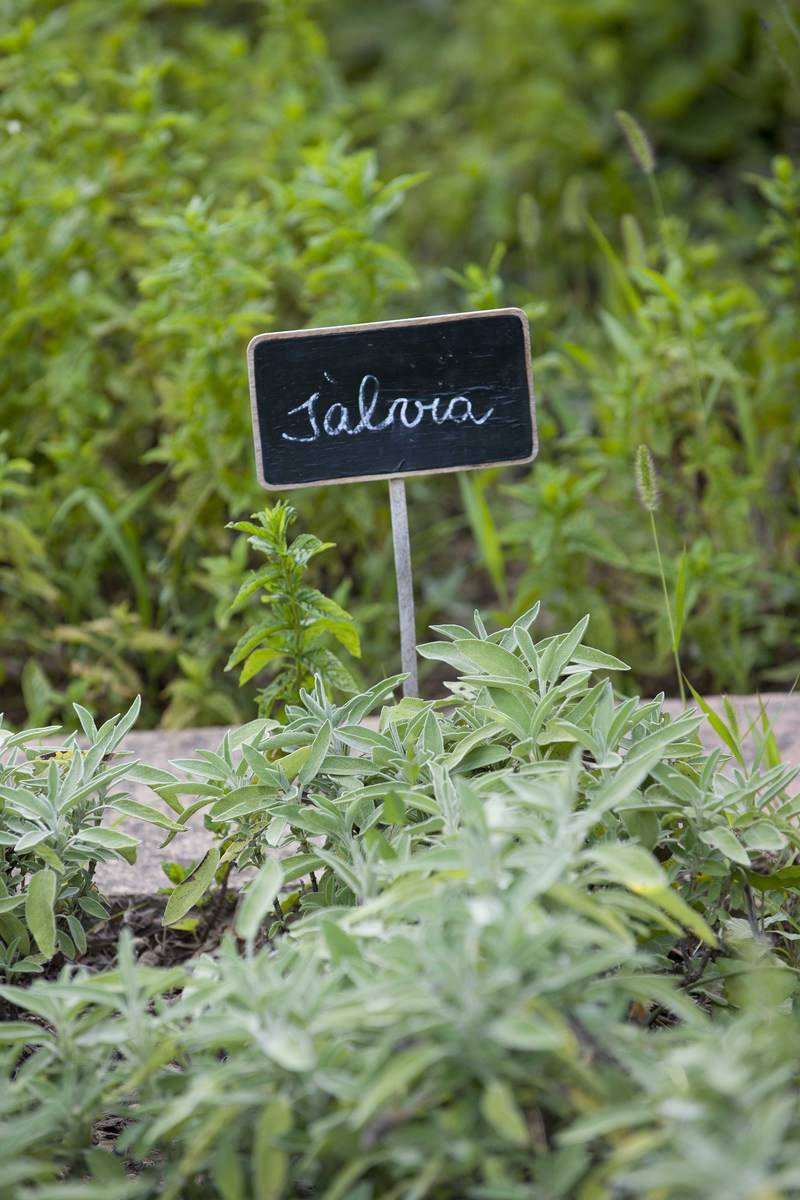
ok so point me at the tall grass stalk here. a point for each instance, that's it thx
(643, 154)
(647, 487)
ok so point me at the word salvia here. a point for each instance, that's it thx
(338, 418)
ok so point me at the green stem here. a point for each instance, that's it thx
(668, 607)
(685, 326)
(658, 203)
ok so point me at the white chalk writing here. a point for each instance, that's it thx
(338, 418)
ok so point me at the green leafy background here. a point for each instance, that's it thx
(177, 177)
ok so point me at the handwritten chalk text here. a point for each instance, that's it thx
(338, 419)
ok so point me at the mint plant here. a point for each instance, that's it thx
(298, 621)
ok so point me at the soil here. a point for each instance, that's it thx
(154, 944)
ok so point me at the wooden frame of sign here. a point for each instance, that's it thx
(449, 393)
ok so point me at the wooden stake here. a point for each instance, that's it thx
(405, 585)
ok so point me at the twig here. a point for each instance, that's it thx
(279, 915)
(701, 961)
(751, 912)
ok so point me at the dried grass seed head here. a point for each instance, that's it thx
(638, 141)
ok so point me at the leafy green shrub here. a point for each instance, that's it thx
(521, 953)
(702, 367)
(190, 177)
(52, 803)
(519, 706)
(421, 1050)
(290, 638)
(513, 109)
(172, 185)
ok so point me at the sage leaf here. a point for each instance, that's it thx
(502, 1112)
(258, 899)
(187, 894)
(725, 840)
(40, 910)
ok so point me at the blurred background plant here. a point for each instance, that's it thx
(178, 178)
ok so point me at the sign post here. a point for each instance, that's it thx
(405, 585)
(388, 400)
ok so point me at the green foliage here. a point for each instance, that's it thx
(514, 107)
(520, 955)
(521, 707)
(52, 804)
(290, 638)
(190, 177)
(190, 890)
(702, 368)
(529, 939)
(171, 185)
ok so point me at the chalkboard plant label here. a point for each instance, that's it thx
(392, 398)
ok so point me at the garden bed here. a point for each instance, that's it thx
(530, 935)
(136, 892)
(161, 747)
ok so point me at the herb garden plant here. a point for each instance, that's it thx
(52, 836)
(290, 639)
(526, 939)
(522, 938)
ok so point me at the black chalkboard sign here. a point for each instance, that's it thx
(393, 398)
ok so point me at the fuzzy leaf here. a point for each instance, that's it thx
(270, 1165)
(316, 755)
(501, 1111)
(258, 899)
(725, 840)
(39, 910)
(639, 871)
(108, 839)
(493, 659)
(188, 893)
(394, 1080)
